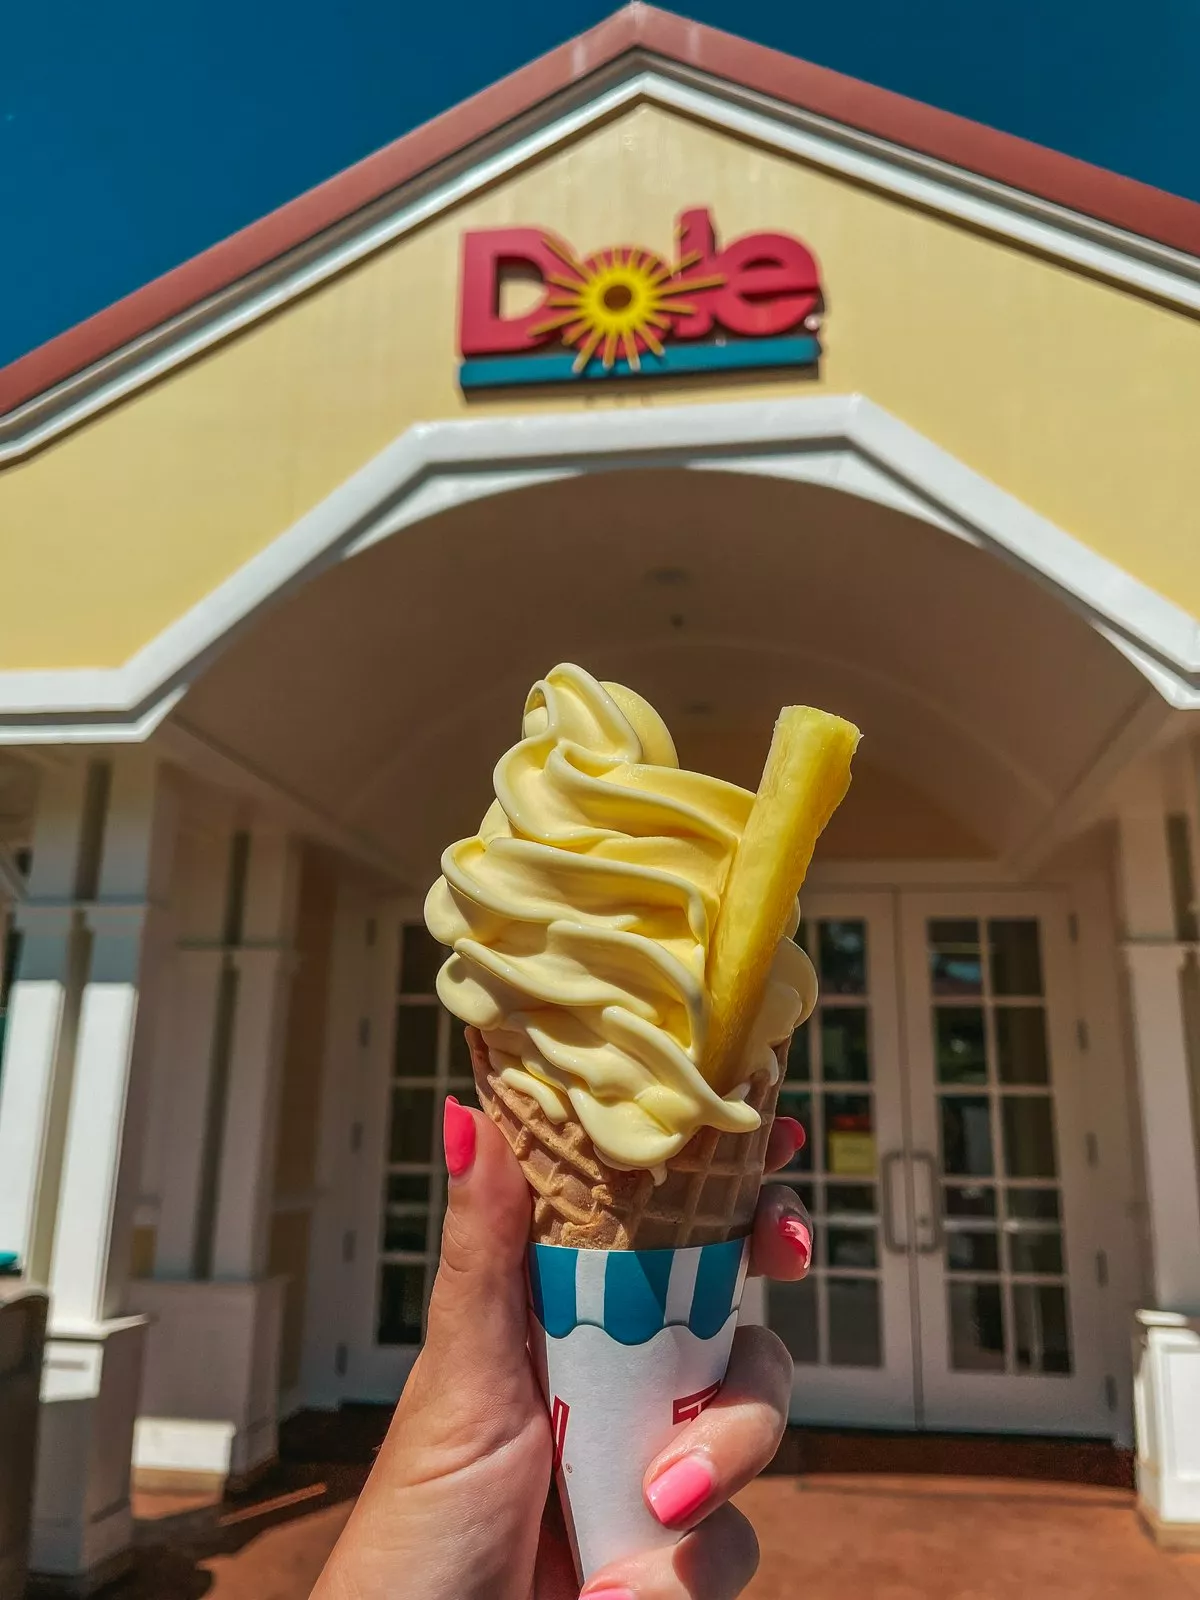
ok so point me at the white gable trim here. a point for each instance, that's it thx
(1053, 231)
(844, 442)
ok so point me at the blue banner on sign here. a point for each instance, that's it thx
(676, 360)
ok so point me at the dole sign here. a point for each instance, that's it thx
(627, 313)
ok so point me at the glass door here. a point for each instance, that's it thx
(939, 1082)
(848, 1325)
(395, 1252)
(1004, 1258)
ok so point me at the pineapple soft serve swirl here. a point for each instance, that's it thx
(580, 918)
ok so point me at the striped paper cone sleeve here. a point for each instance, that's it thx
(630, 1346)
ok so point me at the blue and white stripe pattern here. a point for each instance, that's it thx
(633, 1294)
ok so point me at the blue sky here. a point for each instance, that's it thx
(135, 133)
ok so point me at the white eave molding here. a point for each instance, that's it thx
(842, 442)
(1052, 231)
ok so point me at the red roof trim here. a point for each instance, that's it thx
(1123, 202)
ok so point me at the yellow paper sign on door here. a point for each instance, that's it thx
(851, 1155)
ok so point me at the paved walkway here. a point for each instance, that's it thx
(879, 1538)
(823, 1537)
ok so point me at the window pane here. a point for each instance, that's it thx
(843, 957)
(854, 1330)
(849, 1136)
(1016, 956)
(792, 1313)
(407, 1188)
(1029, 1137)
(809, 1194)
(401, 1295)
(1021, 1054)
(466, 1093)
(954, 960)
(799, 1106)
(852, 1198)
(851, 1247)
(1043, 1341)
(960, 1042)
(798, 1068)
(972, 1252)
(420, 958)
(405, 1228)
(460, 1054)
(976, 1327)
(1035, 1252)
(844, 1050)
(412, 1125)
(803, 933)
(1032, 1205)
(966, 1136)
(416, 1041)
(972, 1201)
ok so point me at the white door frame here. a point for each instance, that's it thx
(1093, 1020)
(1008, 1401)
(340, 1360)
(860, 1395)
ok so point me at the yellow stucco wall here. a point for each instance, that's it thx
(1077, 397)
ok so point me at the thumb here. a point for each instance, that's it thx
(453, 1505)
(478, 1310)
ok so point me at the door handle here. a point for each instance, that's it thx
(888, 1168)
(928, 1207)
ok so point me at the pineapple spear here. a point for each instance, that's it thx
(803, 783)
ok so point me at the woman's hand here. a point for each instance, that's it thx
(457, 1508)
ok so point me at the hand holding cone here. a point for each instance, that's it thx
(616, 1400)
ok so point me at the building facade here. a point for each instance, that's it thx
(744, 384)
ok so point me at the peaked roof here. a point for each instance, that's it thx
(1124, 203)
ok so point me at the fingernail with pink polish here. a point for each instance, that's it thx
(458, 1136)
(796, 1235)
(682, 1489)
(608, 1594)
(795, 1130)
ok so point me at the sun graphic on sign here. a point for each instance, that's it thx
(618, 303)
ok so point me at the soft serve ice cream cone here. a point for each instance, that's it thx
(622, 955)
(705, 1194)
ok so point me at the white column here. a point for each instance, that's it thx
(38, 1004)
(1155, 960)
(339, 1318)
(101, 1169)
(209, 1403)
(82, 1523)
(265, 961)
(184, 1072)
(1167, 1336)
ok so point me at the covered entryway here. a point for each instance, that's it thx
(375, 696)
(964, 1144)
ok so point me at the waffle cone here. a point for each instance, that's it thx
(709, 1194)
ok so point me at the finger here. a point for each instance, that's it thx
(731, 1441)
(714, 1562)
(781, 1244)
(786, 1137)
(477, 1313)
